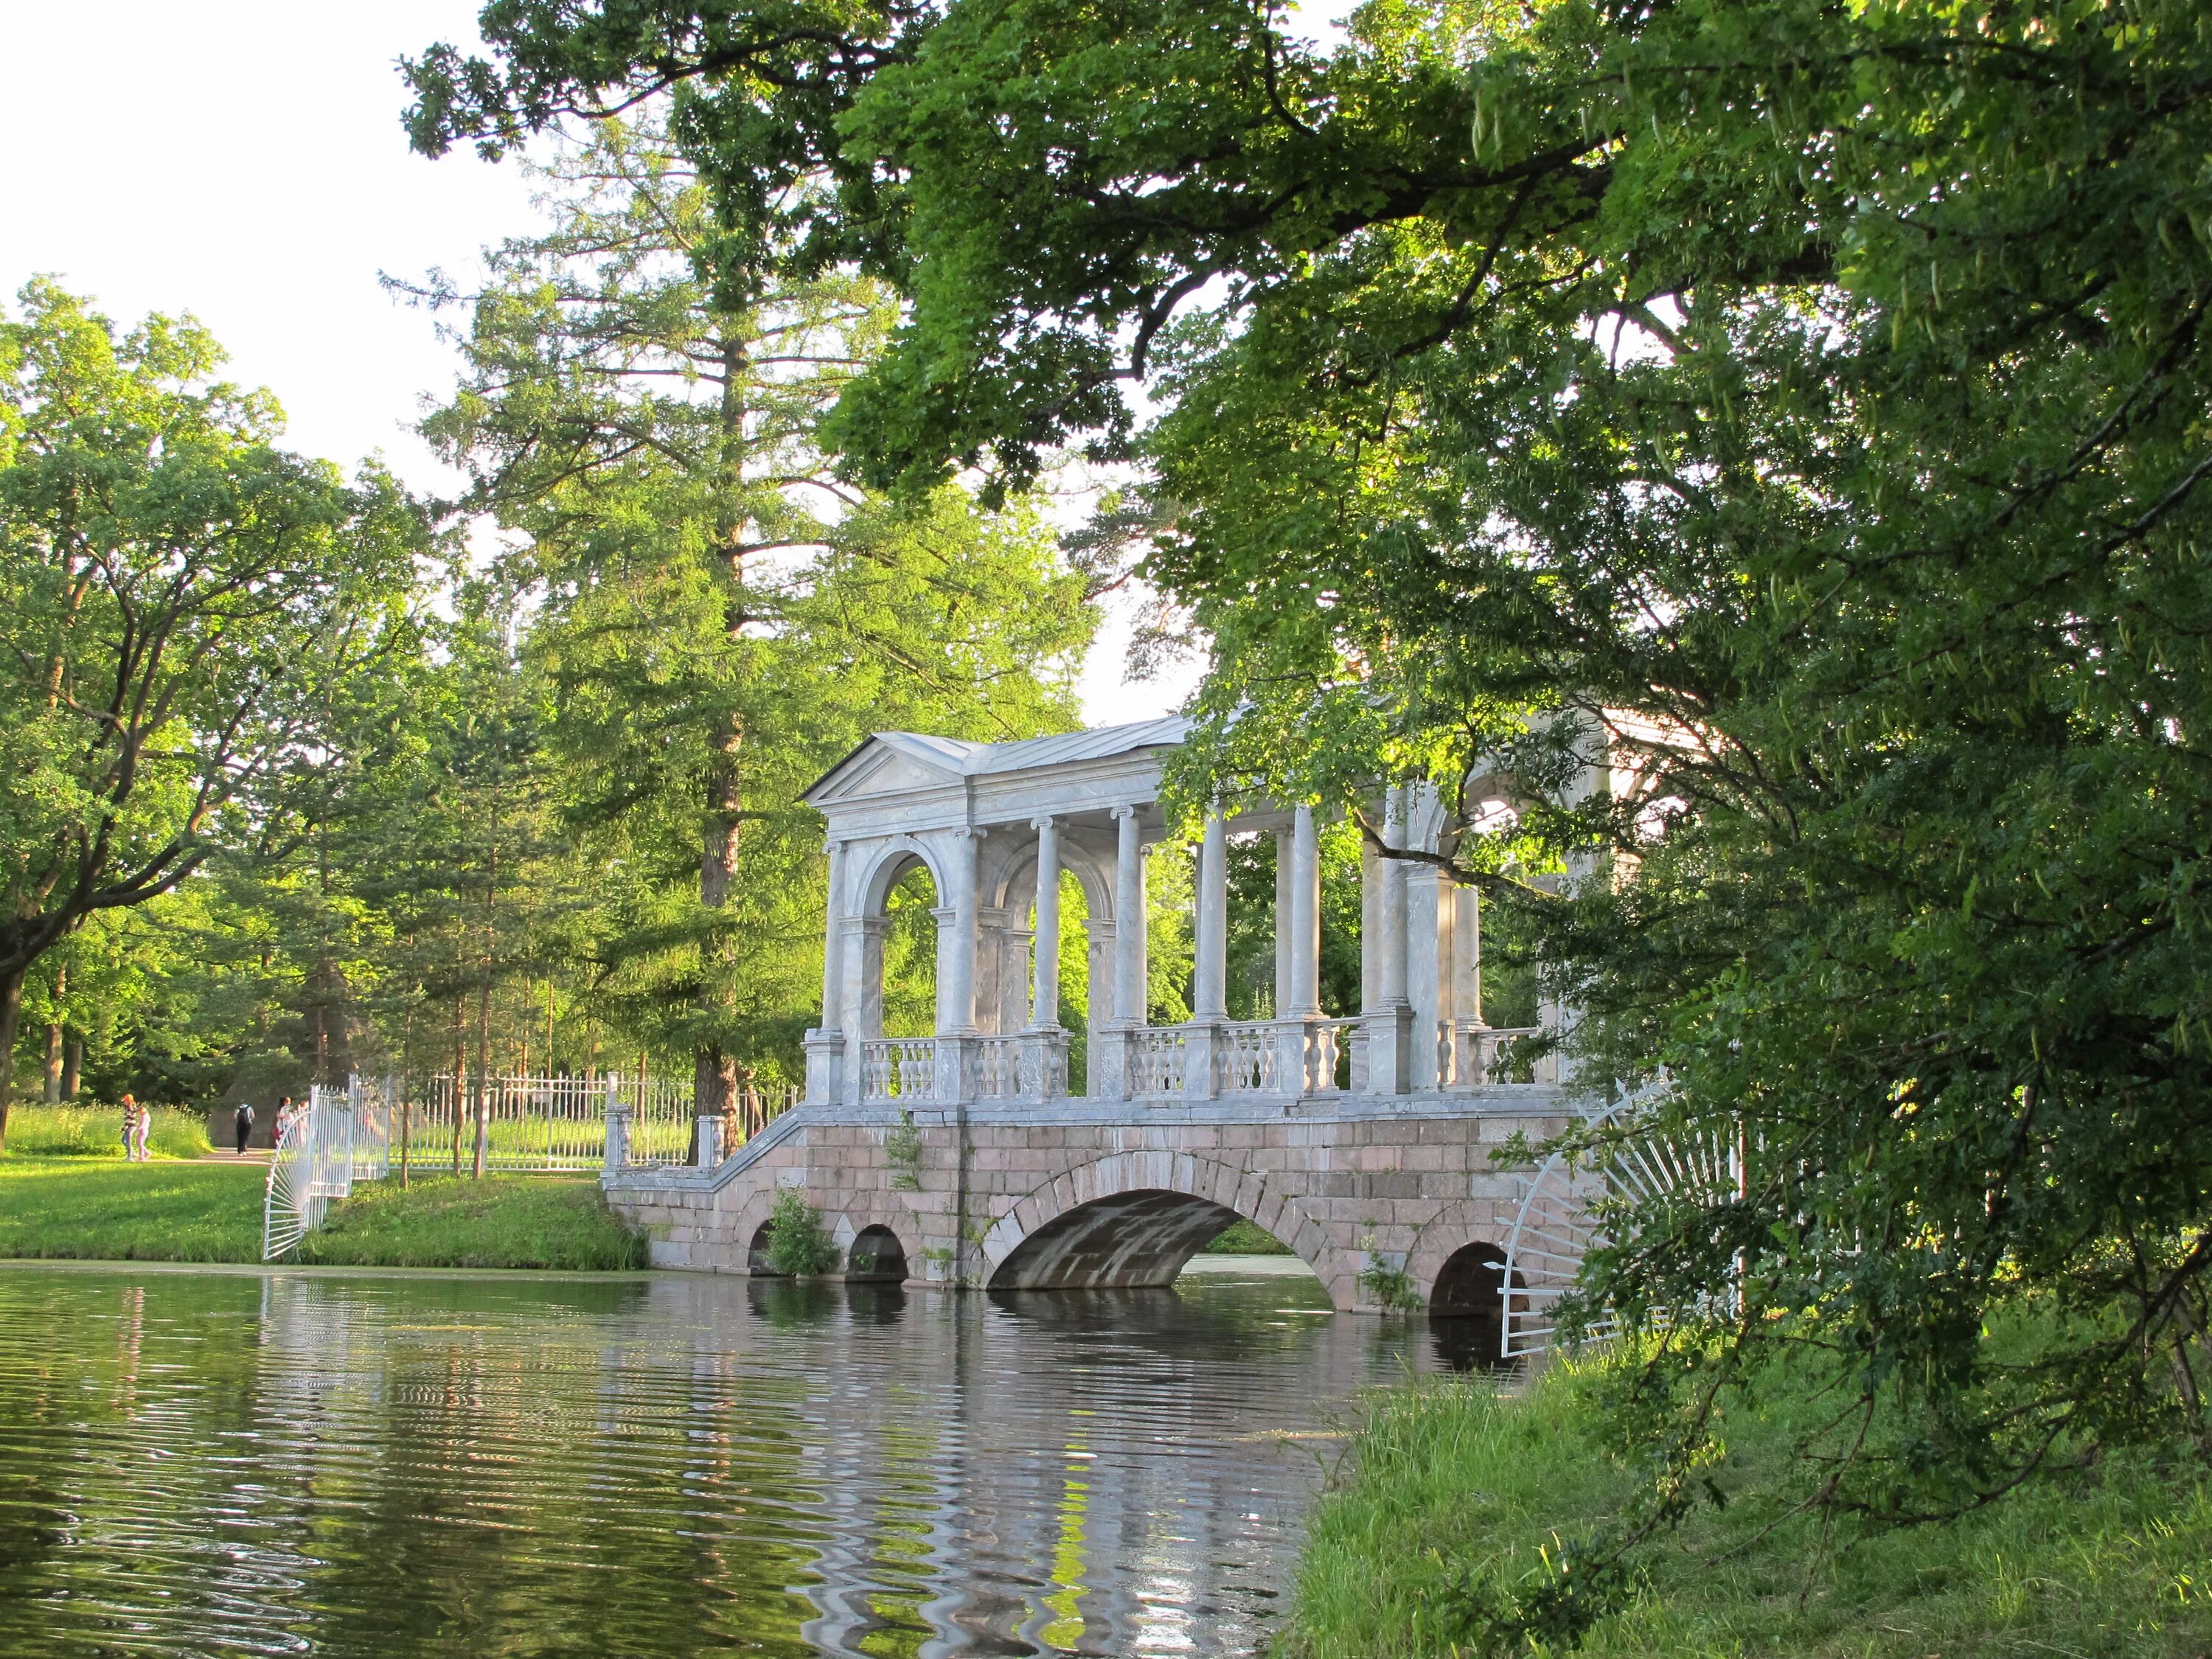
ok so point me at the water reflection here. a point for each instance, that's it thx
(382, 1465)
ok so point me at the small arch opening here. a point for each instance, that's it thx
(1142, 1239)
(876, 1258)
(1466, 1309)
(757, 1262)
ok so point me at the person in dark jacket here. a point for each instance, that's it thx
(245, 1125)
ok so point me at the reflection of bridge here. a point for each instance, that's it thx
(1363, 1141)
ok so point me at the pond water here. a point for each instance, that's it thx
(235, 1462)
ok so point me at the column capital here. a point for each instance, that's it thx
(968, 832)
(1124, 810)
(1046, 821)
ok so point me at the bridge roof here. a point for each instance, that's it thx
(961, 758)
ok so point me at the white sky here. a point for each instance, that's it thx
(243, 160)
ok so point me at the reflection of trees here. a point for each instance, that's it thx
(417, 1465)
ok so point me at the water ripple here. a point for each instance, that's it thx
(295, 1463)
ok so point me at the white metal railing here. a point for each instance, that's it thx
(1157, 1061)
(898, 1068)
(542, 1125)
(325, 1147)
(1245, 1053)
(1476, 1056)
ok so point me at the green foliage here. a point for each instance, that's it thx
(1387, 1284)
(501, 1221)
(93, 1209)
(1806, 403)
(193, 622)
(798, 1243)
(902, 1151)
(716, 621)
(1243, 1237)
(1465, 1503)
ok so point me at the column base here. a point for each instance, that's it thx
(1201, 1079)
(1387, 1045)
(825, 1064)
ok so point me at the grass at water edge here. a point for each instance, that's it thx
(1446, 1475)
(99, 1209)
(502, 1221)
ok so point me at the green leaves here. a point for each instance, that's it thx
(186, 613)
(1807, 402)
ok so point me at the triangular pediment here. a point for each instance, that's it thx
(882, 766)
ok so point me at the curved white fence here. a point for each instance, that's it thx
(341, 1136)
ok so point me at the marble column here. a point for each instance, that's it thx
(995, 956)
(1391, 967)
(1129, 920)
(824, 1046)
(1210, 976)
(833, 955)
(1386, 1030)
(1466, 954)
(1044, 998)
(957, 930)
(1371, 928)
(861, 942)
(957, 938)
(1305, 918)
(1429, 914)
(1285, 925)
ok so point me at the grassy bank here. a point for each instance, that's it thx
(1455, 1485)
(95, 1131)
(502, 1221)
(99, 1209)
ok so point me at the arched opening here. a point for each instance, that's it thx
(1466, 1309)
(876, 1258)
(1132, 1240)
(1506, 985)
(757, 1262)
(906, 996)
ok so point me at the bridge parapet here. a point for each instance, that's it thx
(1363, 1187)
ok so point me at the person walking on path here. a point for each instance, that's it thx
(244, 1124)
(141, 1131)
(129, 1123)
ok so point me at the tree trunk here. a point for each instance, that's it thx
(460, 1072)
(714, 1073)
(11, 1011)
(54, 1039)
(322, 1031)
(483, 1077)
(72, 1066)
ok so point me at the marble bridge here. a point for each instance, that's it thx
(1363, 1141)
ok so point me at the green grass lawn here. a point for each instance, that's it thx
(502, 1221)
(1449, 1478)
(95, 1131)
(105, 1210)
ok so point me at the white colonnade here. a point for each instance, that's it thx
(997, 824)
